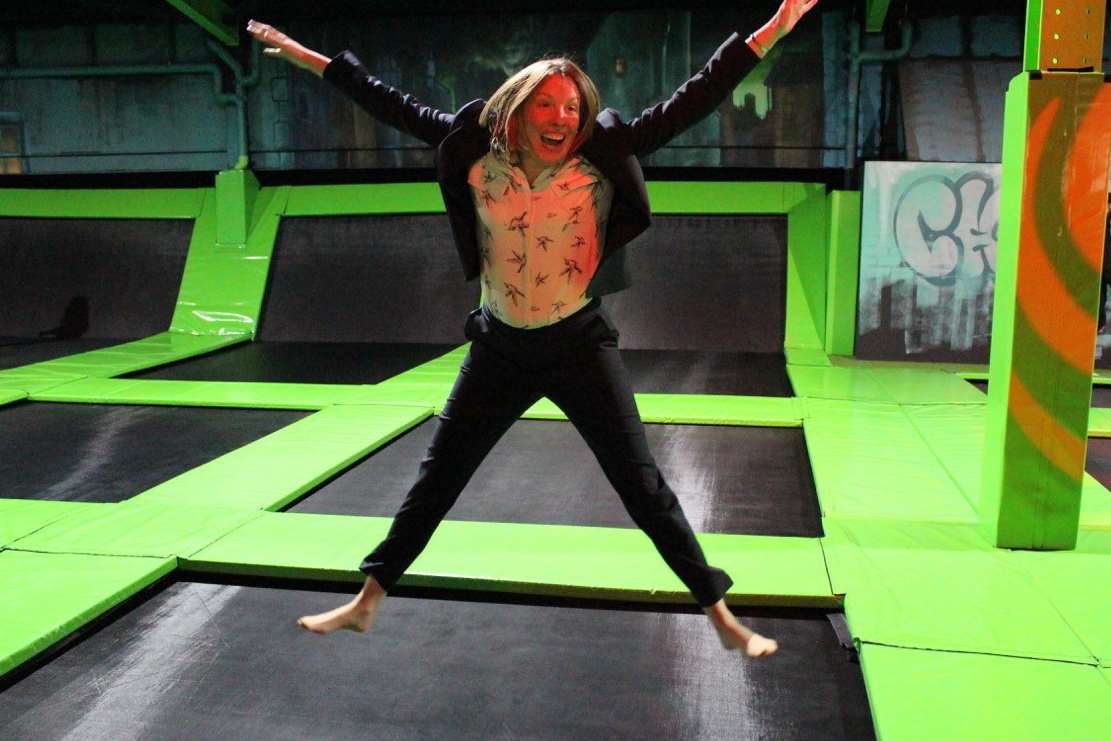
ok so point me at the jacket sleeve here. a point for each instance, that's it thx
(695, 99)
(387, 104)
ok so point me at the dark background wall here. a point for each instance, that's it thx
(942, 102)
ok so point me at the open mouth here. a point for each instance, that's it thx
(553, 140)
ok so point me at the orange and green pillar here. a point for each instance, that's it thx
(1056, 147)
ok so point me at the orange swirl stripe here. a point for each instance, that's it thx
(1086, 184)
(1052, 312)
(1058, 445)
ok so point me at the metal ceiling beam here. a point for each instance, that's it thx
(210, 15)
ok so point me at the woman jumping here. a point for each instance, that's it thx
(543, 189)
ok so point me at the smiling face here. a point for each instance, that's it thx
(548, 123)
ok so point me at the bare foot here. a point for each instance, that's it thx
(735, 635)
(357, 615)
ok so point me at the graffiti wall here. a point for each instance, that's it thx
(927, 260)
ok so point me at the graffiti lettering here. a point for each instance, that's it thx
(947, 229)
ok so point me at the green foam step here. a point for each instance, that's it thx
(524, 559)
(702, 409)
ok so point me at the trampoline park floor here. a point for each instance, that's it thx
(168, 607)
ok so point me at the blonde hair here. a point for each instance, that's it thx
(499, 113)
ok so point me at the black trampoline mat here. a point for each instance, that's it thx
(209, 661)
(705, 372)
(101, 453)
(301, 362)
(15, 352)
(752, 480)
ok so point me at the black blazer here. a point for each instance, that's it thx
(613, 147)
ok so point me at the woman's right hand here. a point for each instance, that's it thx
(283, 47)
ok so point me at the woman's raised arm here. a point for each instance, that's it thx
(280, 46)
(387, 104)
(699, 96)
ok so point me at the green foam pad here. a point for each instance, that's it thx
(955, 434)
(1101, 377)
(103, 203)
(127, 357)
(1075, 582)
(246, 395)
(135, 528)
(806, 356)
(7, 396)
(718, 197)
(870, 462)
(369, 198)
(48, 596)
(702, 409)
(933, 695)
(274, 470)
(922, 585)
(1099, 422)
(830, 382)
(428, 384)
(528, 559)
(20, 517)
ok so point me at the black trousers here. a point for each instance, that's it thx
(575, 363)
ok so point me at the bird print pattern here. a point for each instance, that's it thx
(541, 242)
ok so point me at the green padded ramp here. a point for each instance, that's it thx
(526, 559)
(1075, 582)
(702, 409)
(48, 596)
(246, 395)
(223, 284)
(134, 528)
(19, 517)
(921, 585)
(955, 434)
(870, 462)
(274, 470)
(932, 695)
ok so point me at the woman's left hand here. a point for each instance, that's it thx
(785, 18)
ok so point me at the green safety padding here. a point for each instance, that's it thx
(926, 386)
(844, 271)
(276, 469)
(694, 197)
(897, 385)
(134, 528)
(19, 517)
(27, 379)
(1101, 377)
(223, 284)
(1075, 583)
(7, 396)
(830, 382)
(48, 596)
(1099, 422)
(531, 559)
(807, 271)
(805, 356)
(247, 395)
(923, 585)
(870, 462)
(87, 203)
(930, 695)
(955, 434)
(701, 409)
(364, 199)
(428, 384)
(128, 357)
